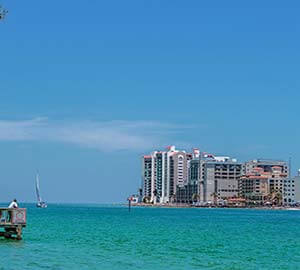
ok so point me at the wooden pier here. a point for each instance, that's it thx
(12, 222)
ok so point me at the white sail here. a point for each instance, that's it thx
(37, 188)
(40, 202)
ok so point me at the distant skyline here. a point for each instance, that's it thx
(87, 89)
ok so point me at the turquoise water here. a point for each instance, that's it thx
(108, 237)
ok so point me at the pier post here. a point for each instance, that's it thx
(129, 204)
(19, 232)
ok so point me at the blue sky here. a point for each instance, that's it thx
(87, 87)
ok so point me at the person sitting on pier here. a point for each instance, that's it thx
(13, 204)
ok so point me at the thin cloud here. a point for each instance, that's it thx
(104, 136)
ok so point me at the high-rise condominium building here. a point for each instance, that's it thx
(162, 171)
(188, 193)
(147, 176)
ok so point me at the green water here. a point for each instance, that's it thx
(108, 237)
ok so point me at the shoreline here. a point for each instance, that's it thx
(213, 207)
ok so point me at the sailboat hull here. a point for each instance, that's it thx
(41, 205)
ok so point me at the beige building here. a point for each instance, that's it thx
(219, 179)
(180, 162)
(255, 185)
(277, 168)
(263, 179)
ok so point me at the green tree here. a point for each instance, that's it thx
(278, 198)
(147, 199)
(215, 197)
(275, 197)
(195, 197)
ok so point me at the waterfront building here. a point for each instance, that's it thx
(194, 171)
(147, 170)
(266, 181)
(177, 176)
(163, 171)
(297, 187)
(180, 162)
(255, 186)
(278, 168)
(292, 190)
(289, 193)
(188, 193)
(158, 177)
(219, 179)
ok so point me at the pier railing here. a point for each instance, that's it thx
(12, 220)
(12, 216)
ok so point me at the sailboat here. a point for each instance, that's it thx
(40, 203)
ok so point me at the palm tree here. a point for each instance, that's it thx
(155, 196)
(147, 199)
(195, 197)
(275, 197)
(278, 198)
(172, 198)
(270, 196)
(215, 197)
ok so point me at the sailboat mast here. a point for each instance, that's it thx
(37, 188)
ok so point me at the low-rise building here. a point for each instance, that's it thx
(277, 168)
(266, 181)
(254, 186)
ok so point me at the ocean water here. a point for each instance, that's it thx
(109, 237)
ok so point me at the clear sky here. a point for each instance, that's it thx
(87, 87)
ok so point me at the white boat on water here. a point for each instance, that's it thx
(40, 203)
